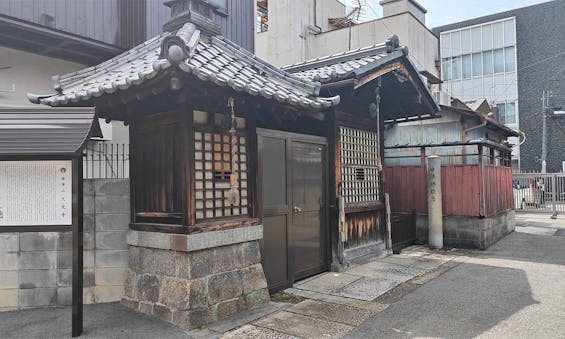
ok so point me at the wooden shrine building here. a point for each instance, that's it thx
(230, 155)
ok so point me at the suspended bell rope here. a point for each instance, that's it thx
(233, 194)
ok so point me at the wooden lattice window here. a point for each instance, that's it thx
(213, 170)
(359, 165)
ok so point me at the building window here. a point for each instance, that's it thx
(487, 63)
(359, 165)
(477, 64)
(510, 114)
(509, 33)
(487, 37)
(262, 16)
(498, 61)
(467, 66)
(476, 39)
(507, 113)
(222, 5)
(510, 59)
(446, 69)
(456, 68)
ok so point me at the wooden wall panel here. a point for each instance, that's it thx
(461, 189)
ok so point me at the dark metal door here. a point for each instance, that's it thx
(275, 210)
(307, 231)
(292, 178)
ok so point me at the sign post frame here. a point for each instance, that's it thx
(76, 228)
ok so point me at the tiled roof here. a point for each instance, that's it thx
(348, 64)
(214, 60)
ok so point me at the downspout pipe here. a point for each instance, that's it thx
(318, 28)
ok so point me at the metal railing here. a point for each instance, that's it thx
(106, 161)
(539, 192)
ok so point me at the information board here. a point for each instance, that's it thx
(35, 193)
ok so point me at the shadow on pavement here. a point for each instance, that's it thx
(100, 321)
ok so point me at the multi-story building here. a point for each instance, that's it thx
(39, 38)
(509, 59)
(295, 31)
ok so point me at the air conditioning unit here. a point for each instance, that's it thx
(442, 98)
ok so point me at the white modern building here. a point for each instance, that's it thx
(290, 31)
(479, 62)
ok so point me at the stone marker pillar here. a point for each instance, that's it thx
(435, 213)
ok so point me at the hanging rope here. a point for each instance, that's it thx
(233, 194)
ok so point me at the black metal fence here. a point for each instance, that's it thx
(103, 160)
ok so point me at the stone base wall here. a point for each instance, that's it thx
(470, 232)
(35, 267)
(193, 280)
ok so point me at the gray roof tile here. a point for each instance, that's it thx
(216, 60)
(339, 66)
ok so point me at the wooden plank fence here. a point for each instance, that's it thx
(466, 189)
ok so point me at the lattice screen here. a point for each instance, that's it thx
(359, 165)
(213, 167)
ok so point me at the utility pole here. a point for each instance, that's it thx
(545, 109)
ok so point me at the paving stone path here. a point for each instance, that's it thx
(336, 303)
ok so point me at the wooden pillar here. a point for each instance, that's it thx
(252, 162)
(481, 181)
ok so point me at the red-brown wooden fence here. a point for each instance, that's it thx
(466, 190)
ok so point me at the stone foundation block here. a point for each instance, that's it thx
(9, 279)
(9, 298)
(191, 288)
(38, 260)
(39, 241)
(37, 278)
(9, 242)
(38, 297)
(108, 294)
(224, 286)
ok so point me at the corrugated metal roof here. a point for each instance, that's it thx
(44, 131)
(214, 60)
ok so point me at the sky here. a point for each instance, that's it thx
(443, 12)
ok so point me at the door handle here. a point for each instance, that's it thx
(297, 209)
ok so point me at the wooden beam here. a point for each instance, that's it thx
(382, 71)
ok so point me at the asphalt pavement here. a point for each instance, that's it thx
(515, 289)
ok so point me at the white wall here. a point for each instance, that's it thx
(31, 73)
(288, 41)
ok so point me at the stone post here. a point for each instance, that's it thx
(435, 213)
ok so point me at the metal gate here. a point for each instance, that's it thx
(293, 188)
(539, 192)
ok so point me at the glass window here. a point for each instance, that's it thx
(465, 41)
(498, 35)
(510, 59)
(487, 37)
(501, 112)
(509, 33)
(456, 68)
(498, 60)
(476, 39)
(477, 64)
(446, 69)
(487, 63)
(467, 66)
(510, 113)
(220, 4)
(446, 45)
(456, 43)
